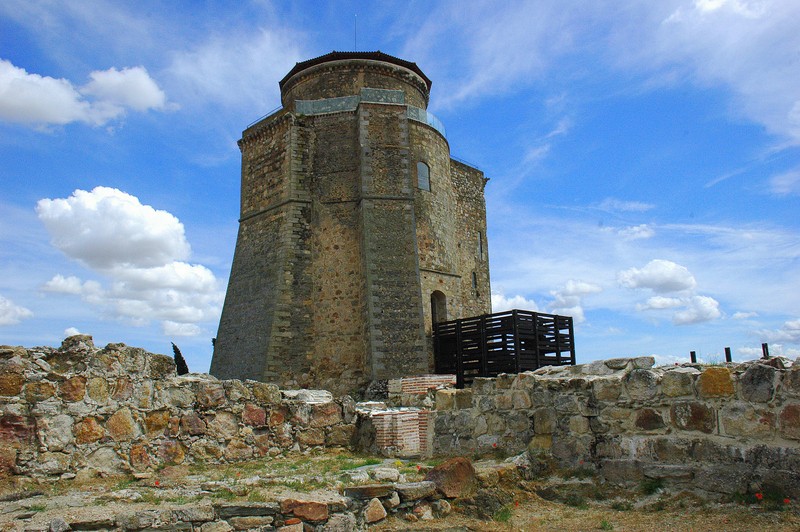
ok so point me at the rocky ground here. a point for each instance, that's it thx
(504, 500)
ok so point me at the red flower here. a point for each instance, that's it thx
(494, 445)
(516, 503)
(759, 496)
(157, 483)
(786, 500)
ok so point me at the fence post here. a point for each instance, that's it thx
(764, 351)
(728, 354)
(484, 348)
(693, 356)
(515, 334)
(459, 358)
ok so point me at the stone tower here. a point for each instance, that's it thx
(357, 230)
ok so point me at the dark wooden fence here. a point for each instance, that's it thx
(506, 342)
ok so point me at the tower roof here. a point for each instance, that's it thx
(338, 56)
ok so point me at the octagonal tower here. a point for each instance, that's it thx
(357, 230)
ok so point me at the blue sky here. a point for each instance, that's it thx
(644, 160)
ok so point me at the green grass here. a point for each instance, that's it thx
(38, 507)
(651, 485)
(503, 515)
(605, 525)
(360, 463)
(575, 500)
(621, 506)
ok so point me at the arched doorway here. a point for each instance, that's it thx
(438, 308)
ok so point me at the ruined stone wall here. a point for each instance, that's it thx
(722, 429)
(121, 409)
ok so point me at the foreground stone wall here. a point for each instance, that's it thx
(121, 409)
(722, 429)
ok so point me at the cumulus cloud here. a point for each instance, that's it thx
(107, 228)
(744, 315)
(11, 314)
(789, 333)
(662, 276)
(698, 309)
(139, 250)
(71, 331)
(569, 300)
(32, 99)
(500, 302)
(637, 232)
(659, 303)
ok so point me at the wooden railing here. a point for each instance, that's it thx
(506, 342)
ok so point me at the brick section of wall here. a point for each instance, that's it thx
(420, 384)
(401, 432)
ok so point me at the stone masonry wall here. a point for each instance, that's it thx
(721, 429)
(120, 409)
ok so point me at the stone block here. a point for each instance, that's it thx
(73, 389)
(210, 394)
(121, 426)
(445, 399)
(265, 394)
(251, 523)
(35, 392)
(55, 433)
(693, 416)
(715, 382)
(642, 384)
(311, 437)
(309, 510)
(649, 419)
(139, 457)
(160, 366)
(341, 435)
(374, 512)
(578, 424)
(678, 382)
(97, 390)
(643, 362)
(520, 399)
(253, 415)
(245, 509)
(171, 452)
(724, 478)
(194, 514)
(607, 388)
(670, 449)
(223, 425)
(617, 363)
(156, 422)
(216, 526)
(544, 420)
(345, 522)
(454, 477)
(412, 491)
(237, 450)
(193, 425)
(621, 471)
(236, 391)
(368, 491)
(325, 414)
(742, 419)
(598, 367)
(205, 450)
(791, 381)
(88, 430)
(757, 383)
(789, 420)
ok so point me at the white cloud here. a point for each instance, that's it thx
(107, 228)
(617, 205)
(171, 328)
(70, 331)
(569, 300)
(129, 87)
(698, 309)
(786, 184)
(236, 69)
(744, 315)
(138, 249)
(501, 303)
(658, 275)
(11, 314)
(33, 99)
(660, 303)
(789, 333)
(637, 232)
